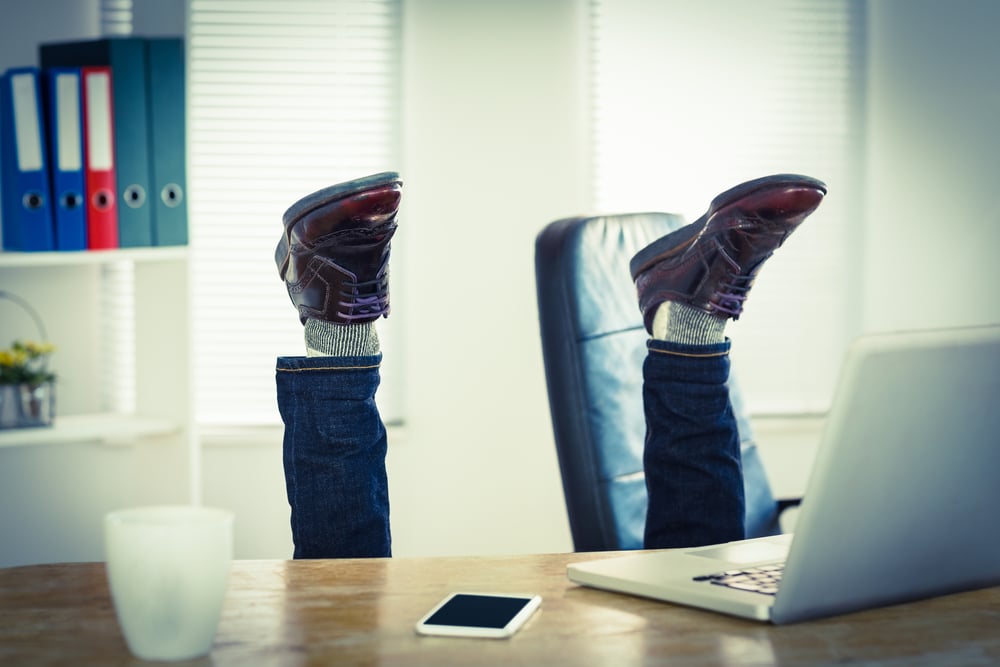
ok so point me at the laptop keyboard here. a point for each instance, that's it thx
(761, 579)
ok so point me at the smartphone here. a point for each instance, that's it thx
(479, 615)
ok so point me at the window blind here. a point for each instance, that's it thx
(690, 99)
(117, 279)
(285, 97)
(116, 17)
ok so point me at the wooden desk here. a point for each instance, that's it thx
(362, 612)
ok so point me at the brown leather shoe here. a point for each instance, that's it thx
(711, 263)
(334, 253)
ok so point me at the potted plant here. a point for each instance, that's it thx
(27, 386)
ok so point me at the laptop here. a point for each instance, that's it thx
(902, 502)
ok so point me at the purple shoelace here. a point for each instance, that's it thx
(729, 296)
(365, 300)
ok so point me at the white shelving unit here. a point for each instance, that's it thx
(57, 482)
(161, 340)
(91, 257)
(105, 428)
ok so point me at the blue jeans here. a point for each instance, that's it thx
(334, 456)
(694, 477)
(335, 445)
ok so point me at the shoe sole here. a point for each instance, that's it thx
(678, 241)
(339, 191)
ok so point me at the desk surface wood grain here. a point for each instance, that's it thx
(286, 613)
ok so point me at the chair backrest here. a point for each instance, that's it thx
(594, 343)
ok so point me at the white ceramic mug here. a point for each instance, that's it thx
(168, 570)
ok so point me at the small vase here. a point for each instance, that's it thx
(25, 405)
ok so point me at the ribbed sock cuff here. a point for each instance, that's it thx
(679, 323)
(324, 339)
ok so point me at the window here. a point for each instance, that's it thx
(117, 279)
(284, 98)
(692, 98)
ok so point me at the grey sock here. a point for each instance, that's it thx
(324, 339)
(679, 323)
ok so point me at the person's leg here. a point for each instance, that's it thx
(333, 257)
(690, 283)
(334, 456)
(692, 454)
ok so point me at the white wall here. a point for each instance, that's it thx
(26, 24)
(494, 149)
(934, 163)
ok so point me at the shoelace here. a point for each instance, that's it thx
(730, 294)
(364, 300)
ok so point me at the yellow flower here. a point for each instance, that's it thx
(35, 349)
(26, 363)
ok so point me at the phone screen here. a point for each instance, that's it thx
(479, 615)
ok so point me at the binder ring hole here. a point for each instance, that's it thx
(103, 200)
(172, 195)
(33, 200)
(135, 196)
(71, 201)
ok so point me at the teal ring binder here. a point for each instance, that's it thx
(134, 196)
(172, 195)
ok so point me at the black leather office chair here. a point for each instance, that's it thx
(594, 343)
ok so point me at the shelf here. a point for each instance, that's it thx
(89, 257)
(110, 429)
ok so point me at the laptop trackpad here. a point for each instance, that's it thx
(747, 552)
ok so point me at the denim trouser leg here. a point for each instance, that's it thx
(692, 452)
(334, 456)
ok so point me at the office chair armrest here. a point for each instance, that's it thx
(787, 503)
(787, 513)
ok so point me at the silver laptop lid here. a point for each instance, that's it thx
(904, 500)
